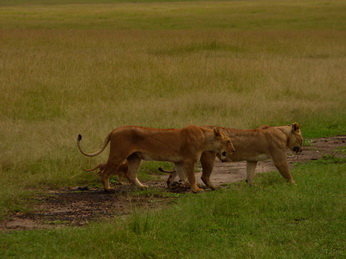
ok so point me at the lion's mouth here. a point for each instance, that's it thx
(226, 160)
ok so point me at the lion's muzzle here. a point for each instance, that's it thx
(224, 157)
(298, 150)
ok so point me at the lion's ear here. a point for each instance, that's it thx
(295, 126)
(217, 132)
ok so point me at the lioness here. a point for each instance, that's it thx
(121, 172)
(255, 145)
(183, 147)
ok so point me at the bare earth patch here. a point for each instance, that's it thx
(78, 206)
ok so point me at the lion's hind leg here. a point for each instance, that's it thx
(109, 169)
(123, 172)
(250, 171)
(183, 180)
(121, 179)
(172, 175)
(134, 162)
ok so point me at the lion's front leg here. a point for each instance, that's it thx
(207, 162)
(282, 166)
(280, 162)
(190, 174)
(250, 171)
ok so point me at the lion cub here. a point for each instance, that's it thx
(121, 172)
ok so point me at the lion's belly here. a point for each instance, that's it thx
(259, 157)
(249, 157)
(158, 157)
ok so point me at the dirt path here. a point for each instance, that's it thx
(80, 205)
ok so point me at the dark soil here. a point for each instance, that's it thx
(78, 206)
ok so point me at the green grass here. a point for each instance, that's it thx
(270, 219)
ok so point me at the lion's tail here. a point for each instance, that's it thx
(93, 169)
(105, 143)
(165, 171)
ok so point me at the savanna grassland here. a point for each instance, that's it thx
(70, 67)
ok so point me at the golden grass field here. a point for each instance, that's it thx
(67, 69)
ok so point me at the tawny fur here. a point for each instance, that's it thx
(182, 146)
(122, 171)
(255, 145)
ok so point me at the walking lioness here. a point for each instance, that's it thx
(255, 145)
(183, 147)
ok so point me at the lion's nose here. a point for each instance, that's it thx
(297, 149)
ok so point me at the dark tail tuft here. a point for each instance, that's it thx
(79, 138)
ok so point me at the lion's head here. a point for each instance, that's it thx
(226, 148)
(295, 139)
